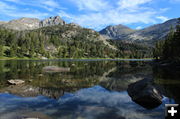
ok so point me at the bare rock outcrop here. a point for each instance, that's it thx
(51, 21)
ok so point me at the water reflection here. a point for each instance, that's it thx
(168, 80)
(113, 75)
(90, 103)
(90, 90)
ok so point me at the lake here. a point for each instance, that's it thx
(92, 89)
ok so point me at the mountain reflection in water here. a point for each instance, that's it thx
(91, 90)
(91, 103)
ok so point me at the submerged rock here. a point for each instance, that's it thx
(73, 65)
(33, 91)
(145, 93)
(16, 82)
(29, 118)
(55, 69)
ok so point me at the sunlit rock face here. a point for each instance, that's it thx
(32, 23)
(22, 24)
(51, 21)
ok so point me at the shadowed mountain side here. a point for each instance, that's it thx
(153, 33)
(147, 35)
(116, 32)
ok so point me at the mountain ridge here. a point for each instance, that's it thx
(116, 31)
(53, 38)
(149, 34)
(32, 23)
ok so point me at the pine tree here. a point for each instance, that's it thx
(167, 46)
(158, 51)
(13, 51)
(169, 49)
(1, 50)
(31, 51)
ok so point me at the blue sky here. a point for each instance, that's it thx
(95, 14)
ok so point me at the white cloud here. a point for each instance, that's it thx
(4, 6)
(33, 14)
(126, 4)
(94, 5)
(164, 9)
(175, 1)
(90, 103)
(139, 27)
(13, 1)
(94, 14)
(49, 5)
(162, 18)
(66, 15)
(120, 12)
(99, 20)
(13, 11)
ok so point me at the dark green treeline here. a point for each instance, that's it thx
(169, 49)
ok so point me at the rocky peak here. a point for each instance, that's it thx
(116, 31)
(22, 24)
(32, 23)
(147, 35)
(51, 21)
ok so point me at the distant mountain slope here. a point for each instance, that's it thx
(32, 23)
(150, 34)
(147, 35)
(116, 32)
(153, 33)
(22, 24)
(2, 22)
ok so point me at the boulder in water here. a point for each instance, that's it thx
(29, 118)
(55, 69)
(144, 93)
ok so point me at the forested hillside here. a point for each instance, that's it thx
(64, 41)
(169, 49)
(54, 38)
(132, 50)
(53, 42)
